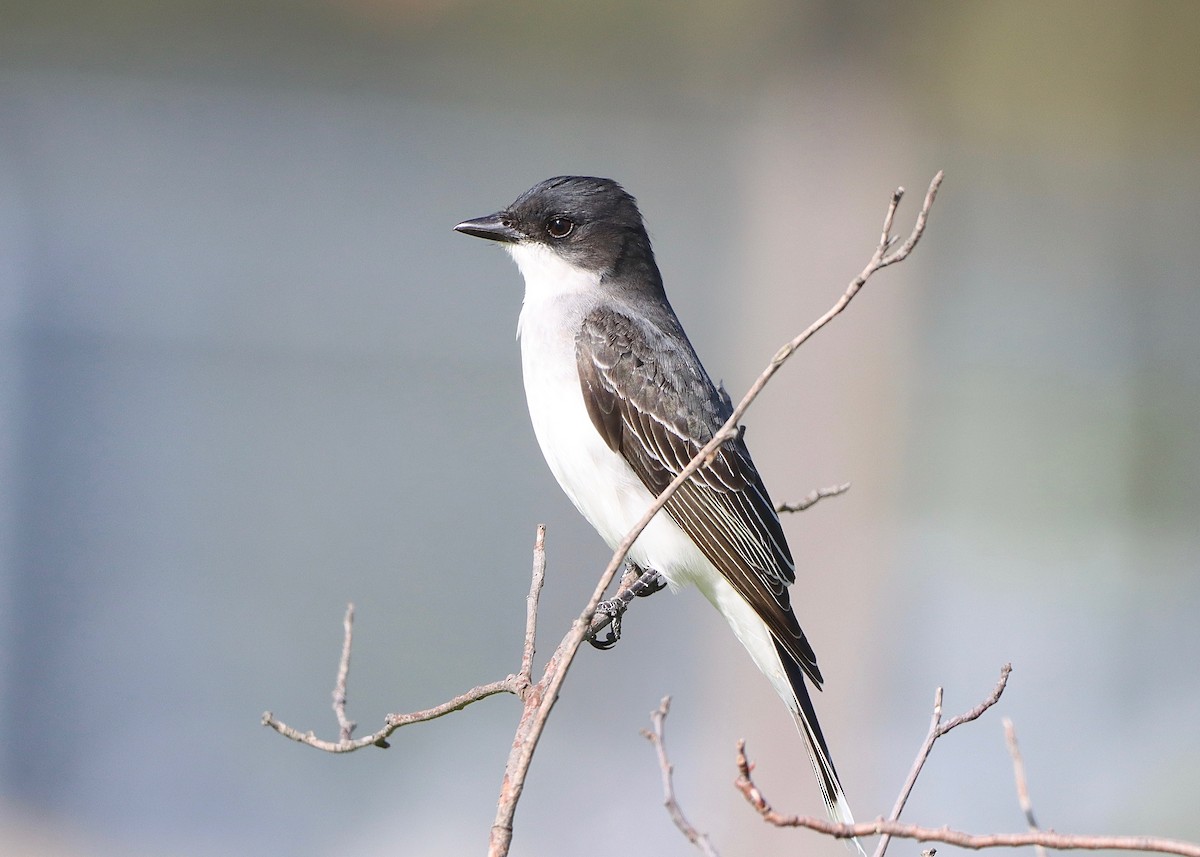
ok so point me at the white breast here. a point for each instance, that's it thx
(598, 480)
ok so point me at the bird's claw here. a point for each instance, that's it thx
(648, 583)
(614, 607)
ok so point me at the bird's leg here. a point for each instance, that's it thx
(649, 581)
(608, 613)
(636, 582)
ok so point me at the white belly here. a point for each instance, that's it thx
(609, 494)
(598, 480)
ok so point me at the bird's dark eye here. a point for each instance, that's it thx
(559, 227)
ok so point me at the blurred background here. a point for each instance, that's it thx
(248, 374)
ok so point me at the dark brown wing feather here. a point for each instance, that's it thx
(652, 402)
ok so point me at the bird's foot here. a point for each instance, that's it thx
(608, 619)
(609, 613)
(649, 581)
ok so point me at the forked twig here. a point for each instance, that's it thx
(892, 827)
(517, 685)
(936, 730)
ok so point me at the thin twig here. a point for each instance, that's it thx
(936, 730)
(531, 604)
(949, 836)
(518, 684)
(977, 712)
(813, 497)
(892, 827)
(656, 737)
(1010, 738)
(922, 754)
(392, 721)
(345, 726)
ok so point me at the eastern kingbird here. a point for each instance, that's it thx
(620, 404)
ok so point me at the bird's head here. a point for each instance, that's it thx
(591, 224)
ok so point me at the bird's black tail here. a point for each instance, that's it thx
(818, 751)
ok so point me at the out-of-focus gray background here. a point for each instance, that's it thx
(248, 373)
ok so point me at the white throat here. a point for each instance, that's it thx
(548, 277)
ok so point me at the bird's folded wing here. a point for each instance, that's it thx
(651, 400)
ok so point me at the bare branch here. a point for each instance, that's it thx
(518, 685)
(948, 836)
(892, 827)
(977, 712)
(1010, 738)
(658, 718)
(936, 730)
(392, 721)
(345, 726)
(813, 497)
(531, 604)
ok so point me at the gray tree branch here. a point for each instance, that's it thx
(892, 827)
(656, 736)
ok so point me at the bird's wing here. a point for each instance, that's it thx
(652, 402)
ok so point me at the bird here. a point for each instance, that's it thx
(620, 404)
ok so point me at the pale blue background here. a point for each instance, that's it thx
(248, 373)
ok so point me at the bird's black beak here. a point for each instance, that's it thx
(494, 227)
